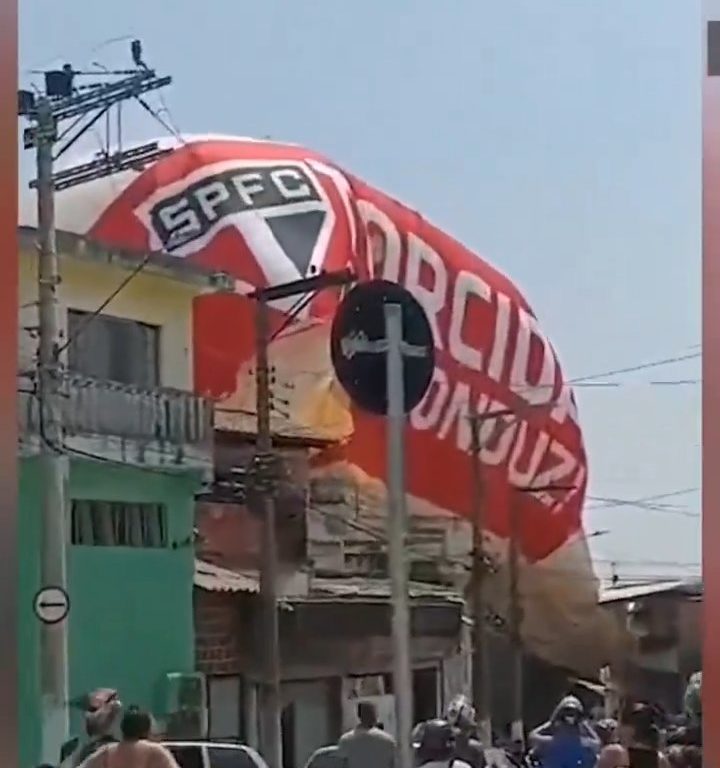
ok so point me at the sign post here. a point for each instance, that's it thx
(383, 354)
(397, 531)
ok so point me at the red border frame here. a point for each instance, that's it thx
(711, 394)
(9, 738)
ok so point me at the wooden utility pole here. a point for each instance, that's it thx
(480, 656)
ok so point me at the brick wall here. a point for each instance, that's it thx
(218, 633)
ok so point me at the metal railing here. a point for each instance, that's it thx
(107, 408)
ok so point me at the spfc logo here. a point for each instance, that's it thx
(279, 208)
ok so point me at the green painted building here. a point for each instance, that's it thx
(139, 446)
(131, 606)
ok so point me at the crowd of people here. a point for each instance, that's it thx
(642, 736)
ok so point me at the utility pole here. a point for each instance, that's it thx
(53, 463)
(480, 656)
(64, 100)
(481, 662)
(269, 642)
(265, 478)
(517, 729)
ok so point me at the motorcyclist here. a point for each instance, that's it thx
(102, 711)
(460, 715)
(436, 748)
(566, 740)
(690, 734)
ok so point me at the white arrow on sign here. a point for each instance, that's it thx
(51, 605)
(358, 342)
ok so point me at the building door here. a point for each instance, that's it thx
(425, 694)
(306, 720)
(225, 713)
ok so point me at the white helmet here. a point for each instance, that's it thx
(460, 712)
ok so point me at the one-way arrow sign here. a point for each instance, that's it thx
(51, 605)
(359, 347)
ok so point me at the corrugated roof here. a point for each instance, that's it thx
(635, 591)
(213, 578)
(376, 588)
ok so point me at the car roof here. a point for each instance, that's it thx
(219, 744)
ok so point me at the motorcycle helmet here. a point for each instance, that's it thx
(436, 741)
(461, 713)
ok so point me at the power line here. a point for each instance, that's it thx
(379, 535)
(613, 503)
(93, 315)
(638, 367)
(589, 380)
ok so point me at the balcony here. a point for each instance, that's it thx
(159, 426)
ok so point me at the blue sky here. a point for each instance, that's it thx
(560, 139)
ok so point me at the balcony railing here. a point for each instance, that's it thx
(93, 407)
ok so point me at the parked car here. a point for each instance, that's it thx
(211, 754)
(325, 757)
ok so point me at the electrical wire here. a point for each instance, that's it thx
(613, 503)
(589, 380)
(163, 123)
(381, 538)
(637, 368)
(464, 564)
(93, 315)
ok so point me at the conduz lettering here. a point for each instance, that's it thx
(532, 456)
(200, 207)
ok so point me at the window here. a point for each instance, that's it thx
(186, 756)
(114, 349)
(227, 757)
(118, 524)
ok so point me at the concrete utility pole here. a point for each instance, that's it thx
(269, 642)
(62, 101)
(517, 727)
(480, 656)
(265, 477)
(53, 462)
(481, 663)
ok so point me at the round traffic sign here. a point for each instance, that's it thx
(51, 605)
(358, 345)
